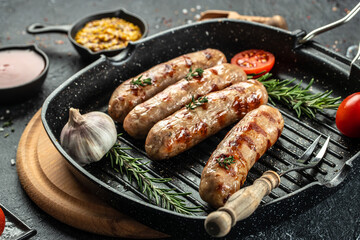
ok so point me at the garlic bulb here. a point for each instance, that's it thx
(87, 138)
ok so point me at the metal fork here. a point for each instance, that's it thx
(245, 201)
(301, 163)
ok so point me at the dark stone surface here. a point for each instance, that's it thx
(337, 217)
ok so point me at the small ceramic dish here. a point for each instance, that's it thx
(22, 89)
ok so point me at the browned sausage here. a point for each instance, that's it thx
(140, 120)
(245, 143)
(185, 128)
(128, 95)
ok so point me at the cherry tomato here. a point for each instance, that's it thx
(254, 61)
(2, 221)
(348, 116)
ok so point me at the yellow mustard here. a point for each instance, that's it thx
(107, 34)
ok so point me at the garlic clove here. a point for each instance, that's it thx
(88, 137)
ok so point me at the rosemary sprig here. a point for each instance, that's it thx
(146, 81)
(197, 73)
(225, 162)
(297, 98)
(166, 198)
(195, 103)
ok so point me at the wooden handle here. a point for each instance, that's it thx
(276, 20)
(240, 205)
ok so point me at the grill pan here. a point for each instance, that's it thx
(90, 89)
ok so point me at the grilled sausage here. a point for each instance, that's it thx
(140, 120)
(246, 143)
(128, 95)
(187, 127)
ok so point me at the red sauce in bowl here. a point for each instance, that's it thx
(19, 66)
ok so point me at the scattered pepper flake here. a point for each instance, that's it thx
(7, 124)
(59, 42)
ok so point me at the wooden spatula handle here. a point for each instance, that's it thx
(276, 20)
(240, 205)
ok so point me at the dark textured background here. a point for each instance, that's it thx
(337, 217)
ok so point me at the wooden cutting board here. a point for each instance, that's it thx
(50, 184)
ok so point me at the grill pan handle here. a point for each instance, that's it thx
(241, 205)
(43, 28)
(330, 26)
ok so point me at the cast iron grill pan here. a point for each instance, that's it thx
(90, 90)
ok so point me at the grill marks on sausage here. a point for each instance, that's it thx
(221, 116)
(185, 86)
(268, 116)
(188, 61)
(214, 88)
(274, 122)
(169, 70)
(201, 128)
(208, 55)
(214, 71)
(254, 126)
(166, 98)
(242, 139)
(183, 136)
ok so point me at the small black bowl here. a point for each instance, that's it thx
(28, 89)
(71, 30)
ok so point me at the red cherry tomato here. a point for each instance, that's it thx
(2, 221)
(254, 61)
(348, 116)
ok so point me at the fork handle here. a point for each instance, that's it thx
(241, 205)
